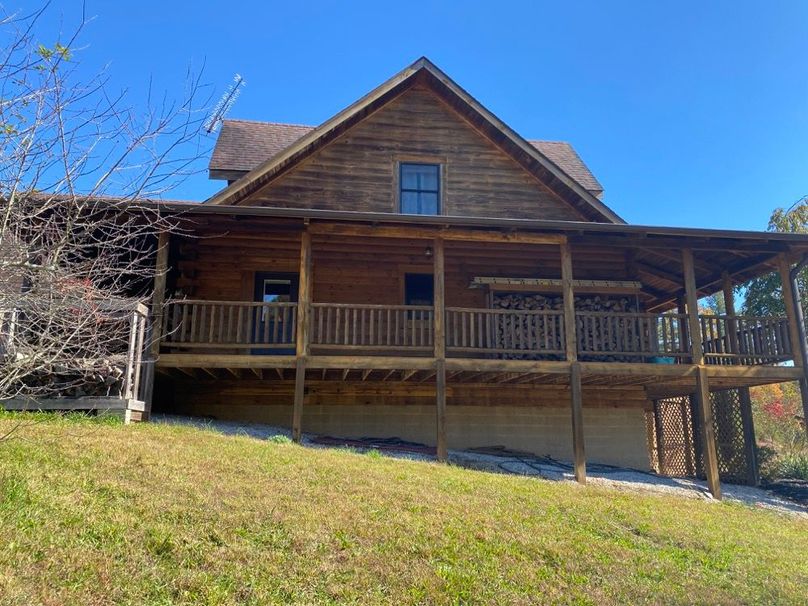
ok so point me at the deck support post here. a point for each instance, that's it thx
(796, 332)
(703, 405)
(439, 334)
(571, 347)
(156, 328)
(302, 348)
(744, 398)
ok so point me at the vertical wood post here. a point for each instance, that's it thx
(157, 303)
(660, 439)
(745, 400)
(794, 333)
(791, 310)
(439, 319)
(302, 332)
(702, 382)
(684, 333)
(732, 322)
(571, 346)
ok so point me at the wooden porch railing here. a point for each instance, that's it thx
(261, 327)
(378, 327)
(229, 324)
(504, 331)
(745, 340)
(632, 335)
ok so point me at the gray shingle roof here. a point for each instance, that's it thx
(244, 144)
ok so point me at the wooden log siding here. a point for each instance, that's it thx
(505, 331)
(229, 324)
(624, 337)
(379, 327)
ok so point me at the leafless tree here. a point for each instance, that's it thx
(77, 240)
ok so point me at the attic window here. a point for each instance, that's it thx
(420, 189)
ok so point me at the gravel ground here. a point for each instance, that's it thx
(613, 477)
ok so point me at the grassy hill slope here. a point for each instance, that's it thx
(97, 513)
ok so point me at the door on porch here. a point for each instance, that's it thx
(275, 287)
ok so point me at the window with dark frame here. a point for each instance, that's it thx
(419, 189)
(419, 289)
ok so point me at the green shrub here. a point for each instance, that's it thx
(280, 439)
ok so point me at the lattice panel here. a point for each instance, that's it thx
(675, 440)
(673, 437)
(726, 407)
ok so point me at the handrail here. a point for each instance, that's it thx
(626, 336)
(229, 324)
(610, 335)
(370, 326)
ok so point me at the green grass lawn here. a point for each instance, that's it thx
(99, 513)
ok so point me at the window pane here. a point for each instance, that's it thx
(419, 289)
(419, 177)
(414, 203)
(276, 291)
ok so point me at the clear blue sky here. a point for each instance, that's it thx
(689, 113)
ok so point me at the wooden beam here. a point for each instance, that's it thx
(576, 402)
(302, 347)
(371, 362)
(210, 373)
(443, 232)
(791, 312)
(795, 317)
(157, 303)
(692, 299)
(407, 374)
(484, 365)
(570, 341)
(222, 361)
(571, 347)
(707, 424)
(439, 332)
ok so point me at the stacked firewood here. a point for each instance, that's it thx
(95, 378)
(551, 302)
(544, 333)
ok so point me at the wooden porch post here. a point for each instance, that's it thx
(702, 381)
(744, 399)
(571, 346)
(158, 300)
(794, 329)
(302, 332)
(439, 333)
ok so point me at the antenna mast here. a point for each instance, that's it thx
(225, 103)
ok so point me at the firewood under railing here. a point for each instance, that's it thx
(630, 337)
(505, 331)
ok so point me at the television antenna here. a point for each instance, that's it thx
(225, 103)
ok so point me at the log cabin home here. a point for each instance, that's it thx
(414, 268)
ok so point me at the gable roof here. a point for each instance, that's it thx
(243, 145)
(425, 73)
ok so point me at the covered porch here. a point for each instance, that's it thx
(351, 321)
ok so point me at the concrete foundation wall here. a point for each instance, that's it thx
(615, 436)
